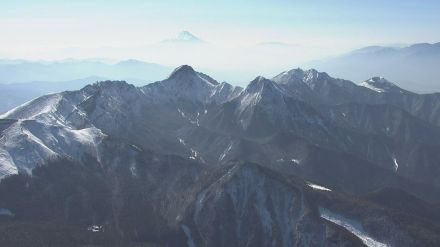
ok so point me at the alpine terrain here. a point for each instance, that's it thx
(301, 159)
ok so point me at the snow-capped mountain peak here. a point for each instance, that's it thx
(380, 85)
(187, 36)
(182, 70)
(286, 76)
(258, 89)
(184, 37)
(261, 84)
(298, 75)
(260, 92)
(186, 83)
(186, 73)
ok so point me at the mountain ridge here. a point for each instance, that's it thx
(290, 160)
(411, 67)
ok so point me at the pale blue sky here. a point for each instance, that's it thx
(49, 29)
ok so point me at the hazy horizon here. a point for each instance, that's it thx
(254, 36)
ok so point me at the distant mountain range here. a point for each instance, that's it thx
(414, 67)
(15, 94)
(22, 80)
(15, 71)
(302, 159)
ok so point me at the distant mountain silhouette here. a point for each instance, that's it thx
(14, 71)
(414, 67)
(184, 37)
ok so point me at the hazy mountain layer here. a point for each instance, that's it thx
(413, 67)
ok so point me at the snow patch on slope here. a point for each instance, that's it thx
(7, 167)
(396, 165)
(380, 85)
(352, 226)
(21, 150)
(34, 108)
(185, 116)
(29, 143)
(6, 212)
(226, 152)
(318, 187)
(95, 228)
(190, 241)
(367, 85)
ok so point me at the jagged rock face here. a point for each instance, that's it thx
(425, 107)
(225, 92)
(263, 101)
(160, 158)
(249, 206)
(248, 209)
(407, 143)
(170, 201)
(319, 88)
(129, 195)
(263, 109)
